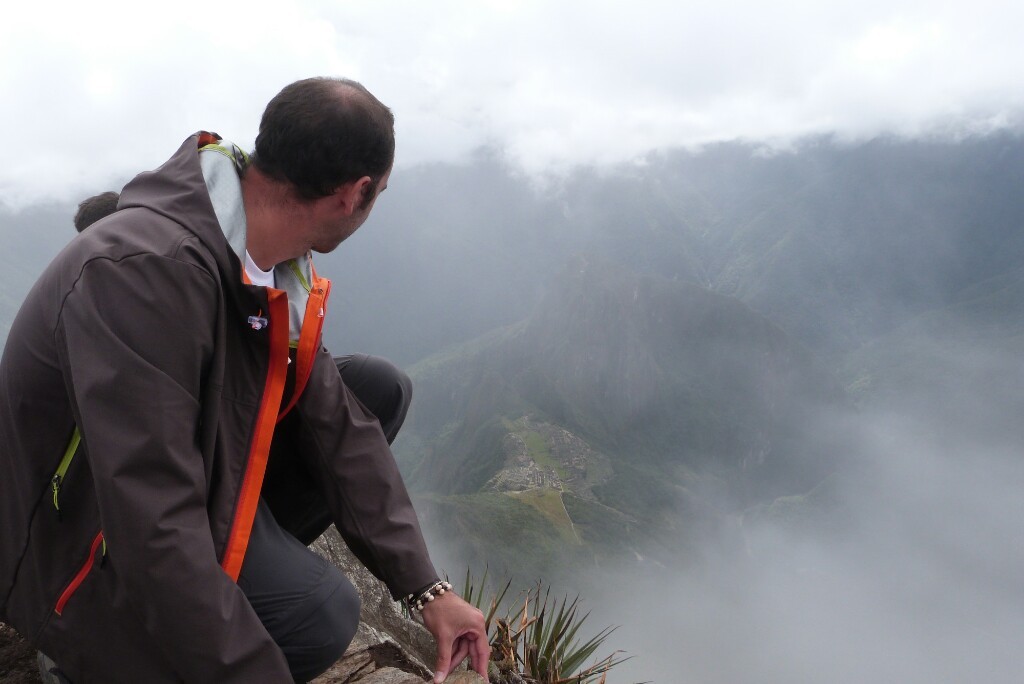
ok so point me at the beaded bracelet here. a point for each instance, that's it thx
(436, 589)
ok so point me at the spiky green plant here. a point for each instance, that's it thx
(552, 651)
(539, 640)
(475, 596)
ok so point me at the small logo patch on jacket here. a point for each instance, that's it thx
(257, 322)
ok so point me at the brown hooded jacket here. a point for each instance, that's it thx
(143, 334)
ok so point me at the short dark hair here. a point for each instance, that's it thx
(96, 207)
(320, 133)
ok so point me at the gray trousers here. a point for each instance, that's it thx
(307, 605)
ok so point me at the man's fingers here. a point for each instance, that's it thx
(481, 655)
(458, 629)
(459, 651)
(444, 658)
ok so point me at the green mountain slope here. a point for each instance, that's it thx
(621, 417)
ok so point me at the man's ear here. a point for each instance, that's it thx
(350, 196)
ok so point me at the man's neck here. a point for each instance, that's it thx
(273, 220)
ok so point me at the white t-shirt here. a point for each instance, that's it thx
(256, 275)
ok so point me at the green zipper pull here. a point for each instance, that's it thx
(56, 490)
(62, 469)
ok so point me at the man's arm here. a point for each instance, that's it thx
(135, 336)
(344, 445)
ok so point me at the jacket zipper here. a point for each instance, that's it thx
(58, 477)
(271, 410)
(83, 572)
(259, 448)
(309, 339)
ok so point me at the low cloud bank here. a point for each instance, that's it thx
(911, 574)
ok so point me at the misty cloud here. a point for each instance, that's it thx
(918, 581)
(103, 90)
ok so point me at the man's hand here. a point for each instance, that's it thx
(459, 630)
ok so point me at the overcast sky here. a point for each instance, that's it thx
(95, 91)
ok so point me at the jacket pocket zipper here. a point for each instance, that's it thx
(82, 573)
(58, 477)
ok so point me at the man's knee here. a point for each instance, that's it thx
(327, 632)
(342, 615)
(380, 386)
(307, 605)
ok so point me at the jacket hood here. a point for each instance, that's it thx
(204, 170)
(174, 190)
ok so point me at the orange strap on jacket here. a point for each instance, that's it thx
(309, 338)
(259, 450)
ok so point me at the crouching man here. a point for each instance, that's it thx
(174, 432)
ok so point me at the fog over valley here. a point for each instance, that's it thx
(795, 379)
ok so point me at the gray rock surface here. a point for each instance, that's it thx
(464, 677)
(17, 659)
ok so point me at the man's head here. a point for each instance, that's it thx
(93, 209)
(320, 133)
